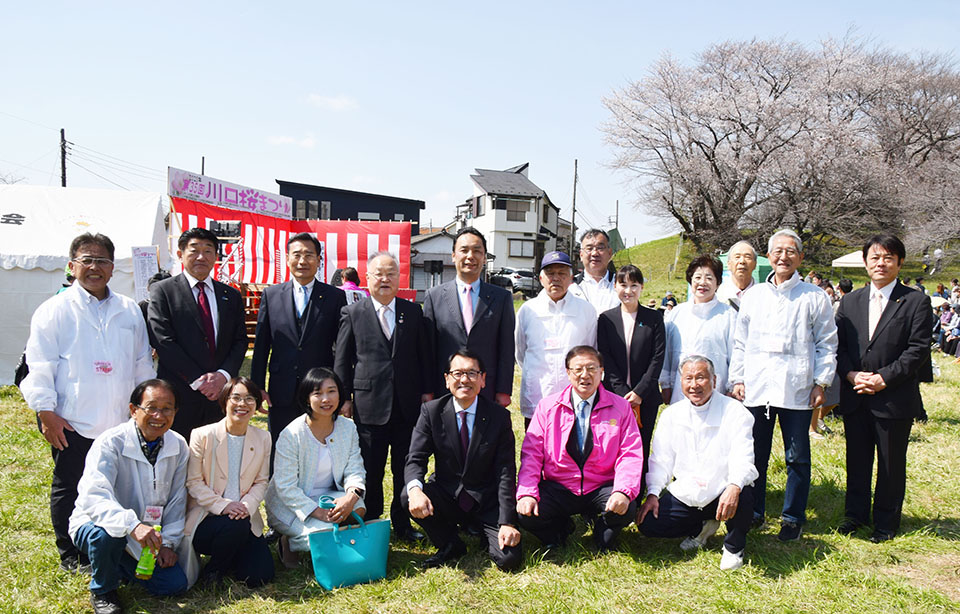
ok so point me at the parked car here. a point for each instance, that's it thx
(516, 280)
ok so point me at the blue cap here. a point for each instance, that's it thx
(555, 258)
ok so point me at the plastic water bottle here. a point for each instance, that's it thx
(147, 561)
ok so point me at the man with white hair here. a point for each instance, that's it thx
(596, 283)
(701, 467)
(784, 357)
(741, 261)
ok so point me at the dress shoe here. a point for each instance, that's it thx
(408, 535)
(848, 527)
(881, 536)
(107, 603)
(450, 552)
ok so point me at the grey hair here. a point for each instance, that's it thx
(383, 252)
(747, 243)
(692, 358)
(594, 232)
(786, 232)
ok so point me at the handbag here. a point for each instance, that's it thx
(343, 556)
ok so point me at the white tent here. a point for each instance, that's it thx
(853, 260)
(37, 224)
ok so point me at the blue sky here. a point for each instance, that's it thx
(396, 98)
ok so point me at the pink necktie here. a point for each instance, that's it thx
(468, 308)
(206, 318)
(384, 324)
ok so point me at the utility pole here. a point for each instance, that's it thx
(63, 158)
(573, 216)
(203, 164)
(617, 222)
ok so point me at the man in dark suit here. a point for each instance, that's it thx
(296, 329)
(884, 343)
(468, 313)
(198, 331)
(382, 347)
(471, 440)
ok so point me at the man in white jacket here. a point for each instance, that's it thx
(701, 467)
(88, 348)
(784, 357)
(135, 477)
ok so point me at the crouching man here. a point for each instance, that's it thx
(471, 441)
(581, 455)
(134, 478)
(701, 467)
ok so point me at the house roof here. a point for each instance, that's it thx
(510, 182)
(407, 201)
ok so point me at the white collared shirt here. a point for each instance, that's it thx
(884, 292)
(704, 448)
(298, 288)
(698, 328)
(211, 299)
(729, 290)
(85, 357)
(602, 293)
(545, 332)
(391, 313)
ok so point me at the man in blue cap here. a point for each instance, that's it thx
(547, 327)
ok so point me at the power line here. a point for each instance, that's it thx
(71, 161)
(121, 160)
(110, 171)
(115, 168)
(23, 119)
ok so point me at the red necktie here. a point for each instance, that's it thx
(206, 319)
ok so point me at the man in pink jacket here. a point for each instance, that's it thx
(582, 454)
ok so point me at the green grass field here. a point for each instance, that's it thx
(824, 572)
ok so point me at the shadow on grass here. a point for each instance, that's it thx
(941, 527)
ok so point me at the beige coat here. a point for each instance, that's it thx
(254, 474)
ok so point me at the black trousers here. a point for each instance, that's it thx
(557, 505)
(234, 549)
(67, 470)
(648, 417)
(865, 433)
(442, 526)
(677, 519)
(375, 440)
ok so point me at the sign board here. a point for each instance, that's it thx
(219, 193)
(145, 266)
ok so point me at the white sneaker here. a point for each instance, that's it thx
(695, 543)
(730, 561)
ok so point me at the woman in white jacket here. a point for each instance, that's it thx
(702, 326)
(317, 455)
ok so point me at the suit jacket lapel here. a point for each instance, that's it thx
(312, 310)
(222, 452)
(398, 328)
(223, 300)
(480, 422)
(287, 308)
(191, 304)
(449, 418)
(483, 303)
(451, 296)
(369, 305)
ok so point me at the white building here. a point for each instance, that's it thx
(516, 217)
(431, 261)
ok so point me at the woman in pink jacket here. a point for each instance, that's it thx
(582, 454)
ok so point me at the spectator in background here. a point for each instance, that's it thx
(919, 285)
(742, 261)
(351, 284)
(595, 284)
(547, 327)
(784, 356)
(942, 292)
(937, 260)
(88, 348)
(668, 300)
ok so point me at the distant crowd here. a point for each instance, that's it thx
(166, 459)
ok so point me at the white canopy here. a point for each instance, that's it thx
(853, 260)
(37, 224)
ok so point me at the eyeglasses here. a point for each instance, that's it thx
(470, 375)
(239, 400)
(166, 411)
(90, 262)
(590, 249)
(784, 251)
(589, 370)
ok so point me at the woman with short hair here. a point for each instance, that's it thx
(317, 455)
